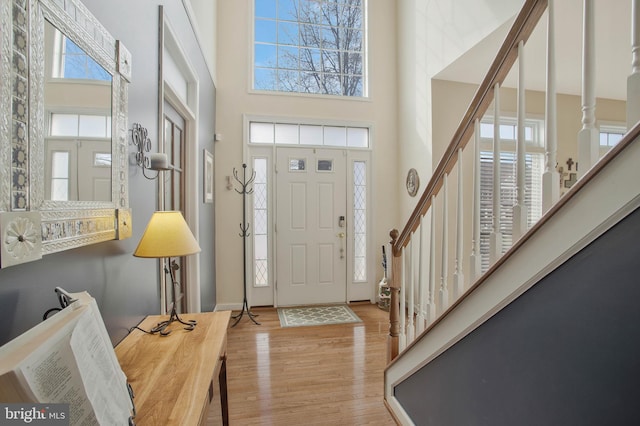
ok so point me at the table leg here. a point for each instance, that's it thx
(224, 402)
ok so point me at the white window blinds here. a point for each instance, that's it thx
(534, 163)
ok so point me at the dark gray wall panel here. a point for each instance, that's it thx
(564, 353)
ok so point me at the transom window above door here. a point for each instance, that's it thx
(310, 46)
(308, 134)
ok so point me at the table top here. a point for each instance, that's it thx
(171, 375)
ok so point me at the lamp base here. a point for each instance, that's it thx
(161, 327)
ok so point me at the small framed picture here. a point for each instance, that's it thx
(208, 177)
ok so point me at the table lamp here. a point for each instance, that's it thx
(167, 235)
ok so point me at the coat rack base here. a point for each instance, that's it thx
(245, 309)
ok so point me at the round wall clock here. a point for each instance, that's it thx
(413, 182)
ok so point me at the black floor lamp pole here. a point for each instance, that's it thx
(244, 228)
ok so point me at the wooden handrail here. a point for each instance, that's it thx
(521, 30)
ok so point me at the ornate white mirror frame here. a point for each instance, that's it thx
(30, 225)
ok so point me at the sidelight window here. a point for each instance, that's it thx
(360, 221)
(260, 227)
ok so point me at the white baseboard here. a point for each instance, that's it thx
(228, 307)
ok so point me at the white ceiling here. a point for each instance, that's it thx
(613, 51)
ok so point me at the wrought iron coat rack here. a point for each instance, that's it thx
(244, 233)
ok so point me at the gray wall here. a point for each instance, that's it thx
(564, 353)
(125, 287)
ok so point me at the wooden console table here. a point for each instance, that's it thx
(173, 376)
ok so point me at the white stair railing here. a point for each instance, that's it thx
(458, 275)
(430, 250)
(588, 141)
(520, 210)
(633, 81)
(550, 177)
(444, 253)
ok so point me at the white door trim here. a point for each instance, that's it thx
(266, 296)
(189, 110)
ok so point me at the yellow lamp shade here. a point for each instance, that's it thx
(167, 235)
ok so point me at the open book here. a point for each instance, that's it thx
(68, 358)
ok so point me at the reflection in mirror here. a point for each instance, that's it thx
(77, 96)
(61, 109)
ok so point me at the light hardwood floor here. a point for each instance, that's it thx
(319, 375)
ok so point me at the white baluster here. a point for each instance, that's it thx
(520, 208)
(431, 308)
(633, 81)
(588, 137)
(412, 289)
(421, 282)
(550, 177)
(475, 259)
(402, 338)
(496, 234)
(444, 290)
(458, 275)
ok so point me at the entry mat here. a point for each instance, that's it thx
(316, 315)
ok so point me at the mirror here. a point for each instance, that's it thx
(44, 208)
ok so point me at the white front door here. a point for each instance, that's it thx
(310, 226)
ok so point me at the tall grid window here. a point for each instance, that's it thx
(310, 46)
(360, 221)
(260, 227)
(534, 167)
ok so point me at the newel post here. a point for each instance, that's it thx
(394, 302)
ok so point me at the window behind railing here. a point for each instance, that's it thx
(610, 135)
(534, 167)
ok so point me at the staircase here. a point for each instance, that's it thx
(543, 330)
